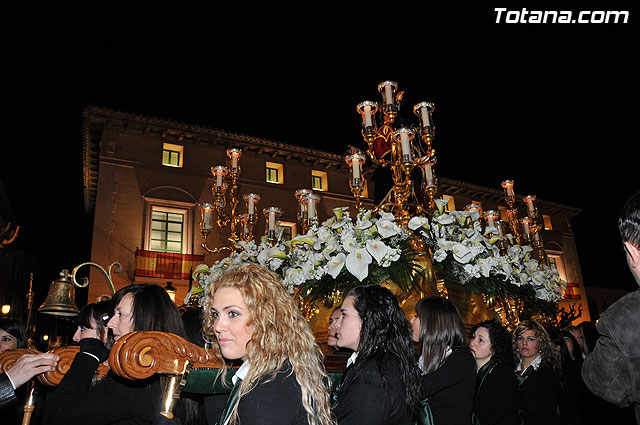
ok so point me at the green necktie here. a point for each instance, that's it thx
(231, 401)
(525, 374)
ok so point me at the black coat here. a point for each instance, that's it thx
(277, 402)
(371, 398)
(450, 389)
(495, 400)
(538, 397)
(113, 400)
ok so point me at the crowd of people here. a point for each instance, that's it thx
(423, 371)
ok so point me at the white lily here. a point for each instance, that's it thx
(441, 204)
(358, 262)
(445, 219)
(363, 224)
(377, 249)
(387, 216)
(461, 253)
(300, 239)
(417, 222)
(335, 264)
(339, 211)
(350, 244)
(386, 228)
(330, 248)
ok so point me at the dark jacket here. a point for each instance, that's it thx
(612, 369)
(113, 400)
(7, 393)
(275, 402)
(369, 396)
(450, 389)
(538, 397)
(495, 399)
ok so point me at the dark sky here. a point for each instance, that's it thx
(552, 107)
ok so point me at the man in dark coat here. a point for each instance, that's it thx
(612, 370)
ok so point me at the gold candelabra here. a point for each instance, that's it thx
(402, 149)
(225, 205)
(525, 230)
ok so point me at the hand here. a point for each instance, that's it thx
(30, 365)
(94, 347)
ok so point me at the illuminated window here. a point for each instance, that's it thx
(172, 155)
(288, 230)
(451, 205)
(547, 222)
(503, 213)
(274, 173)
(319, 180)
(167, 230)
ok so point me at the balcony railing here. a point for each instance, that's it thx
(165, 265)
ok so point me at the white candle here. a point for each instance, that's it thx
(530, 207)
(388, 94)
(509, 190)
(367, 116)
(429, 174)
(425, 116)
(406, 144)
(525, 225)
(250, 206)
(219, 178)
(207, 219)
(312, 209)
(490, 220)
(356, 168)
(272, 220)
(234, 161)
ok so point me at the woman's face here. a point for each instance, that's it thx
(230, 317)
(332, 341)
(527, 343)
(122, 321)
(83, 332)
(415, 328)
(348, 325)
(481, 345)
(7, 341)
(578, 336)
(569, 343)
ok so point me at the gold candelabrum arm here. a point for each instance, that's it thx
(105, 273)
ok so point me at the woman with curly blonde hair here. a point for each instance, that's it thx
(538, 369)
(250, 315)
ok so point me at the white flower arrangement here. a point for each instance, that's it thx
(337, 247)
(469, 255)
(340, 254)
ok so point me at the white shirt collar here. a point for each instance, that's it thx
(241, 373)
(352, 359)
(535, 363)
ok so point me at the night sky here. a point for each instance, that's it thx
(552, 106)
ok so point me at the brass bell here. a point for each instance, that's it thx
(61, 299)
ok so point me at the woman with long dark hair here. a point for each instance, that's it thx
(92, 323)
(496, 385)
(448, 367)
(538, 369)
(116, 400)
(382, 382)
(250, 317)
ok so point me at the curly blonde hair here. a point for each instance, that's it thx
(548, 353)
(275, 318)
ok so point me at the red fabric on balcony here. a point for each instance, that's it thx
(165, 265)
